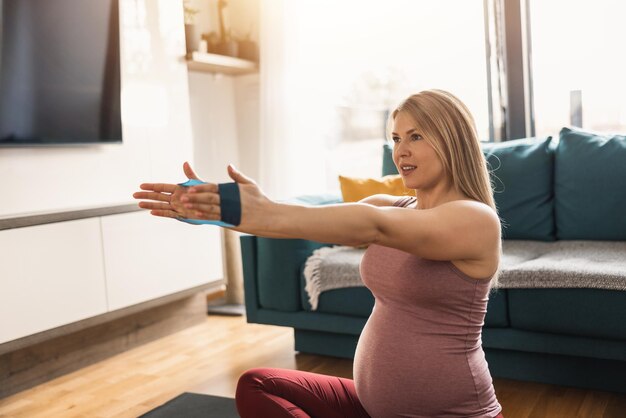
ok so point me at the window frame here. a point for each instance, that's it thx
(509, 64)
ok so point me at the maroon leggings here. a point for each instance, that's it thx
(278, 393)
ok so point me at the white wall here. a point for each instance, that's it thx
(225, 124)
(156, 126)
(225, 109)
(248, 108)
(214, 124)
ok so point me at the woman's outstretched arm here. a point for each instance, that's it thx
(260, 215)
(460, 230)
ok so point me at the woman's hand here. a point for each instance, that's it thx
(203, 202)
(165, 199)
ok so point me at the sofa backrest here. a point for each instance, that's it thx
(590, 186)
(572, 187)
(522, 178)
(389, 167)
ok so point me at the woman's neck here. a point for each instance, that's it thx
(430, 198)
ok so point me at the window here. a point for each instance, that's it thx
(350, 61)
(578, 58)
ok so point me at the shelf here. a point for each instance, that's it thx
(213, 63)
(31, 219)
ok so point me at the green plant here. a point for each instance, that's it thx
(190, 13)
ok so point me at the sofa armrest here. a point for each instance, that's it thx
(271, 271)
(271, 266)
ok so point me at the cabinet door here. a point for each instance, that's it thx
(50, 275)
(147, 257)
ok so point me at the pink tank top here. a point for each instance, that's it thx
(420, 353)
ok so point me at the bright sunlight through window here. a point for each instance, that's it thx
(579, 46)
(350, 61)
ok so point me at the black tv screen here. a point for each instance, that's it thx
(59, 72)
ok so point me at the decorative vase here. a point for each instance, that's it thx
(191, 38)
(248, 50)
(228, 47)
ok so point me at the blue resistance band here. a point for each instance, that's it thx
(230, 205)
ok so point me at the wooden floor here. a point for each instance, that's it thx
(209, 358)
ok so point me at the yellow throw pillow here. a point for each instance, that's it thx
(355, 189)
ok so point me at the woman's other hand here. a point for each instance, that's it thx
(165, 199)
(203, 201)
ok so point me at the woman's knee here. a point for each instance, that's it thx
(255, 376)
(252, 396)
(251, 381)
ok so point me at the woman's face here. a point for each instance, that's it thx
(416, 160)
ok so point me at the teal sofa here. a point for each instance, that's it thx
(572, 187)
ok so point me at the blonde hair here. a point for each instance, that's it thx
(449, 128)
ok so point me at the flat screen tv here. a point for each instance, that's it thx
(59, 72)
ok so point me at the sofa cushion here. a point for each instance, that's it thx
(522, 177)
(563, 264)
(590, 186)
(353, 301)
(388, 166)
(354, 189)
(566, 287)
(582, 312)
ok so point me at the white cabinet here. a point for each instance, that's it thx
(59, 273)
(147, 257)
(50, 275)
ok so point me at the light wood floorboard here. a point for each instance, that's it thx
(210, 357)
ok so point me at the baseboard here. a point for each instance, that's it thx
(42, 361)
(216, 294)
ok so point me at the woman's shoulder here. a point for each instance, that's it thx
(470, 216)
(388, 200)
(477, 226)
(470, 206)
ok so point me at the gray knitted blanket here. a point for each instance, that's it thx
(525, 264)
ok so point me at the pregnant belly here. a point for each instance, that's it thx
(401, 371)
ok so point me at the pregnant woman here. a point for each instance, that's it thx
(430, 264)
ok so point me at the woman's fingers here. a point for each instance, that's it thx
(161, 197)
(159, 187)
(205, 216)
(172, 201)
(204, 198)
(155, 205)
(203, 205)
(189, 171)
(164, 213)
(203, 208)
(191, 215)
(205, 188)
(156, 191)
(238, 176)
